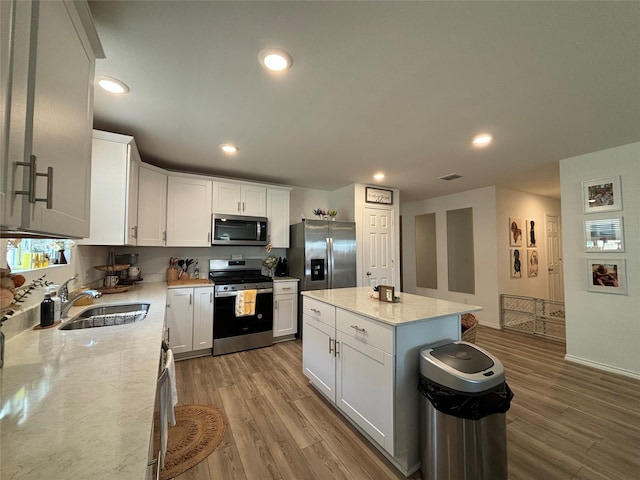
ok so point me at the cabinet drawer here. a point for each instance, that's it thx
(365, 330)
(319, 311)
(285, 288)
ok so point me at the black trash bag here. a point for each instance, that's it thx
(471, 406)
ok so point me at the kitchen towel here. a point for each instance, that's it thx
(170, 365)
(168, 401)
(246, 303)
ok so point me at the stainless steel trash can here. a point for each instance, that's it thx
(462, 413)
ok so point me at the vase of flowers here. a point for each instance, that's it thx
(270, 262)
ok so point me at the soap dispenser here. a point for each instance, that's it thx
(57, 301)
(47, 311)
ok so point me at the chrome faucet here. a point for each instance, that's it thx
(66, 305)
(63, 291)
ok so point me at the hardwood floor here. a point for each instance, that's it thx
(566, 421)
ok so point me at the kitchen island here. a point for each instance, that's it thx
(363, 356)
(80, 403)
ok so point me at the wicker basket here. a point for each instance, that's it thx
(469, 324)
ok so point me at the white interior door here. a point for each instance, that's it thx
(554, 257)
(377, 236)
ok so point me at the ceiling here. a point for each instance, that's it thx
(398, 87)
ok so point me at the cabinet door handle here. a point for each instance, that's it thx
(358, 329)
(317, 312)
(134, 231)
(169, 335)
(243, 206)
(33, 175)
(164, 236)
(210, 297)
(330, 347)
(190, 295)
(335, 347)
(275, 305)
(208, 237)
(239, 207)
(49, 198)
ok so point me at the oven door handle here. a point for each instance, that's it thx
(234, 293)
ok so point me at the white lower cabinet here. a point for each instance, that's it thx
(344, 357)
(318, 359)
(190, 319)
(285, 309)
(364, 373)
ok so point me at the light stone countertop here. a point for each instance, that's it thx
(410, 308)
(79, 404)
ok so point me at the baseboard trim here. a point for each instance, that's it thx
(602, 366)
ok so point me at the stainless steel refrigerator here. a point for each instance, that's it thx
(322, 254)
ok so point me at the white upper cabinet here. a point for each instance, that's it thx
(152, 207)
(188, 211)
(115, 166)
(48, 62)
(239, 199)
(278, 216)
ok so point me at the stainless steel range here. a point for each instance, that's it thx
(238, 326)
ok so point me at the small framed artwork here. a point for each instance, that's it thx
(516, 263)
(532, 262)
(386, 293)
(602, 195)
(607, 276)
(604, 234)
(378, 195)
(515, 232)
(531, 233)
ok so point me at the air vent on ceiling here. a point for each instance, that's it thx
(451, 176)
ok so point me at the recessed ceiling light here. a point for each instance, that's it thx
(482, 140)
(113, 85)
(379, 176)
(275, 59)
(229, 148)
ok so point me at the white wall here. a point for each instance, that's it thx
(483, 202)
(304, 200)
(513, 203)
(603, 330)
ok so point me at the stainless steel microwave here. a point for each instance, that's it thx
(238, 230)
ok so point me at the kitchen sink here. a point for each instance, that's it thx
(107, 316)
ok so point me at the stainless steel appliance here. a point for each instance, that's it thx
(233, 333)
(238, 230)
(323, 254)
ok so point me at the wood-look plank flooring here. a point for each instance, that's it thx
(566, 421)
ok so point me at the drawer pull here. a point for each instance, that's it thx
(317, 312)
(358, 329)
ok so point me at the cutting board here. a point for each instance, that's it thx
(188, 281)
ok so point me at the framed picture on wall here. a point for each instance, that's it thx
(515, 232)
(604, 234)
(531, 233)
(603, 195)
(607, 276)
(515, 259)
(532, 262)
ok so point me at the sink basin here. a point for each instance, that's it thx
(107, 316)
